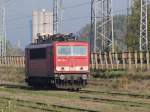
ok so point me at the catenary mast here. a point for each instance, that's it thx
(57, 16)
(2, 29)
(144, 26)
(102, 34)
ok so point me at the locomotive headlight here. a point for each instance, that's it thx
(62, 68)
(62, 77)
(58, 68)
(84, 77)
(85, 68)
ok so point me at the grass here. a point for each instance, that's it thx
(26, 105)
(132, 81)
(5, 105)
(109, 74)
(107, 79)
(116, 101)
(42, 92)
(12, 74)
(24, 101)
(120, 73)
(42, 106)
(112, 89)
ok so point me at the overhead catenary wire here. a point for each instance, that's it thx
(64, 20)
(9, 2)
(29, 16)
(68, 7)
(26, 27)
(65, 8)
(70, 19)
(77, 5)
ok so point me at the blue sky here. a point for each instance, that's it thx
(19, 16)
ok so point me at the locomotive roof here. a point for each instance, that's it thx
(31, 46)
(38, 45)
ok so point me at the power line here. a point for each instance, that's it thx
(77, 5)
(20, 18)
(76, 18)
(26, 27)
(72, 19)
(68, 7)
(9, 2)
(29, 16)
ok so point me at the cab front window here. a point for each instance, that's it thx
(63, 50)
(71, 51)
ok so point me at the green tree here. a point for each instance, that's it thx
(119, 31)
(13, 51)
(133, 34)
(84, 32)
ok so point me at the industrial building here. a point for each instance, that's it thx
(42, 23)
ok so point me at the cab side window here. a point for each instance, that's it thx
(39, 53)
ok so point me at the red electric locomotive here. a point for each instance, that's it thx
(58, 62)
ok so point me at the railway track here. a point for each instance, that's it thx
(134, 95)
(45, 107)
(29, 104)
(91, 92)
(116, 102)
(84, 95)
(84, 91)
(78, 109)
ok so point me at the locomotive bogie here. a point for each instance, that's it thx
(71, 81)
(67, 82)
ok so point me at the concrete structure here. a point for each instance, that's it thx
(42, 23)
